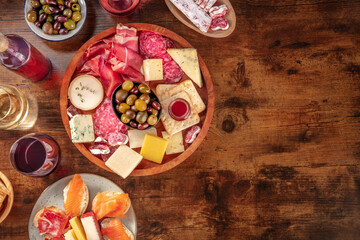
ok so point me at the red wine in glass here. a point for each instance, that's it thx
(35, 155)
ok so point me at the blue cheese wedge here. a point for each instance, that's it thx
(85, 92)
(176, 142)
(188, 61)
(82, 129)
(123, 161)
(153, 69)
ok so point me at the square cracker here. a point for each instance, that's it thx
(165, 92)
(172, 126)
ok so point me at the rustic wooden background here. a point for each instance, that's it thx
(281, 159)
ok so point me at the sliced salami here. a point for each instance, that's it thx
(72, 111)
(152, 45)
(105, 121)
(165, 57)
(99, 148)
(118, 138)
(169, 43)
(191, 134)
(218, 11)
(105, 157)
(219, 23)
(172, 72)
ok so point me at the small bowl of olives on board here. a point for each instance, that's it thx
(136, 105)
(55, 20)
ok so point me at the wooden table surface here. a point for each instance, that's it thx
(282, 157)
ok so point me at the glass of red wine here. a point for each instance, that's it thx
(120, 7)
(35, 155)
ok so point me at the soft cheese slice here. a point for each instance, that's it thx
(153, 69)
(78, 228)
(123, 161)
(70, 235)
(154, 148)
(176, 143)
(85, 92)
(136, 137)
(172, 126)
(188, 61)
(82, 129)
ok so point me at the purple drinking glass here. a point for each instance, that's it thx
(35, 155)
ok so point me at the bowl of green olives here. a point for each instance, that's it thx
(136, 105)
(55, 20)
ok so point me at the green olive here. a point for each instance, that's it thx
(140, 105)
(75, 7)
(121, 95)
(155, 112)
(50, 19)
(152, 119)
(35, 3)
(73, 1)
(124, 118)
(133, 107)
(141, 117)
(123, 107)
(70, 24)
(31, 16)
(127, 85)
(76, 16)
(143, 88)
(67, 12)
(46, 9)
(43, 2)
(131, 99)
(145, 97)
(55, 32)
(60, 2)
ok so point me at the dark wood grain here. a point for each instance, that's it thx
(281, 158)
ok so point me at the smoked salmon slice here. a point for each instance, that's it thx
(110, 204)
(115, 230)
(75, 197)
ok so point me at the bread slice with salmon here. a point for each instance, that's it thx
(76, 197)
(113, 229)
(110, 204)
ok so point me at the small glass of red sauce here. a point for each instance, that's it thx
(179, 109)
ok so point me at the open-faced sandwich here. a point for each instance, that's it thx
(113, 229)
(76, 197)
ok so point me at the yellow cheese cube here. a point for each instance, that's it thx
(153, 148)
(78, 228)
(70, 235)
(153, 69)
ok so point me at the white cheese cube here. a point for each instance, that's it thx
(153, 69)
(136, 137)
(82, 129)
(175, 144)
(123, 161)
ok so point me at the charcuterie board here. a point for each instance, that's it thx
(206, 93)
(230, 17)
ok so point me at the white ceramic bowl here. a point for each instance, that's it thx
(56, 38)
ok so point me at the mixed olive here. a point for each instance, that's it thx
(138, 107)
(54, 16)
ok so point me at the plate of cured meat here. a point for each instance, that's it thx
(137, 99)
(82, 206)
(212, 18)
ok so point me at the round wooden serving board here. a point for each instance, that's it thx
(206, 92)
(8, 203)
(230, 17)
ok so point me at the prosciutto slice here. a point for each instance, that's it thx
(52, 222)
(109, 79)
(126, 37)
(127, 72)
(128, 56)
(92, 67)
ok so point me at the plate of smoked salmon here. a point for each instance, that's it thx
(82, 206)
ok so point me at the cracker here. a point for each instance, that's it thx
(172, 126)
(190, 89)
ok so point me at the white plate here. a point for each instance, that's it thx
(53, 196)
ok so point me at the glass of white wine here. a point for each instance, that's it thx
(14, 109)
